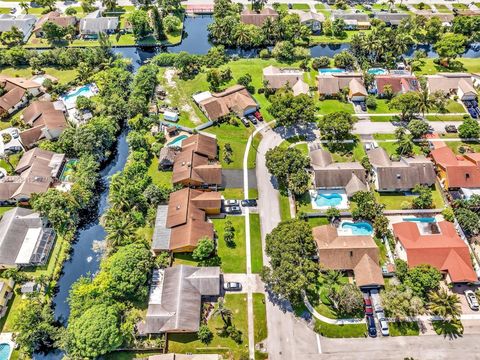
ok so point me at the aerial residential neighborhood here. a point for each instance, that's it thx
(232, 179)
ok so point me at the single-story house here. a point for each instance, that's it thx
(36, 171)
(47, 121)
(180, 225)
(445, 18)
(194, 166)
(356, 253)
(400, 175)
(391, 19)
(280, 77)
(258, 18)
(22, 22)
(460, 84)
(437, 244)
(30, 86)
(17, 91)
(166, 157)
(235, 99)
(175, 301)
(353, 21)
(54, 17)
(94, 23)
(25, 238)
(400, 83)
(6, 293)
(350, 176)
(311, 19)
(331, 84)
(457, 171)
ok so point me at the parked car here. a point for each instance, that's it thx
(450, 128)
(363, 106)
(232, 286)
(384, 327)
(252, 119)
(472, 112)
(14, 133)
(245, 121)
(258, 115)
(249, 203)
(233, 210)
(230, 203)
(368, 146)
(368, 306)
(471, 299)
(290, 6)
(13, 11)
(372, 329)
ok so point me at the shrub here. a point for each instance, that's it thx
(320, 62)
(70, 11)
(204, 334)
(371, 102)
(6, 138)
(264, 54)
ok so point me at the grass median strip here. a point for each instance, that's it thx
(256, 244)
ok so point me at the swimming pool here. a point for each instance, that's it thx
(377, 71)
(357, 228)
(68, 170)
(421, 219)
(328, 199)
(4, 351)
(70, 98)
(322, 199)
(177, 141)
(330, 71)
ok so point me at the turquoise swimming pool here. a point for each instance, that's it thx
(4, 351)
(177, 141)
(330, 71)
(421, 219)
(332, 199)
(377, 71)
(358, 228)
(70, 98)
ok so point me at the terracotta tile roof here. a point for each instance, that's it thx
(399, 83)
(202, 144)
(357, 253)
(460, 171)
(356, 88)
(56, 18)
(252, 17)
(445, 251)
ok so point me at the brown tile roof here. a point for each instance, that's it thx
(447, 82)
(193, 168)
(445, 251)
(20, 82)
(56, 18)
(357, 253)
(257, 18)
(33, 111)
(460, 171)
(12, 98)
(235, 99)
(331, 84)
(201, 144)
(356, 88)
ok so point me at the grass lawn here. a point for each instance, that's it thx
(37, 10)
(457, 145)
(233, 258)
(340, 331)
(454, 107)
(129, 355)
(422, 6)
(303, 148)
(403, 328)
(468, 65)
(460, 6)
(4, 209)
(317, 221)
(256, 244)
(6, 322)
(259, 317)
(160, 178)
(284, 207)
(395, 201)
(381, 118)
(188, 343)
(352, 152)
(445, 117)
(184, 259)
(326, 39)
(330, 106)
(237, 137)
(304, 203)
(5, 10)
(233, 193)
(391, 148)
(63, 76)
(252, 153)
(442, 8)
(382, 108)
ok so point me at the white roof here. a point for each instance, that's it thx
(202, 96)
(28, 246)
(170, 115)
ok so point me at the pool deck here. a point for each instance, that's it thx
(7, 338)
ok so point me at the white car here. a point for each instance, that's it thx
(231, 203)
(471, 299)
(384, 326)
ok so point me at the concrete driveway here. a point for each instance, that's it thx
(249, 282)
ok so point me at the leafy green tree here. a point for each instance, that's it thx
(299, 183)
(469, 129)
(70, 11)
(291, 249)
(291, 110)
(468, 220)
(335, 127)
(225, 313)
(34, 326)
(204, 249)
(140, 23)
(405, 142)
(156, 195)
(320, 62)
(422, 279)
(344, 60)
(450, 45)
(332, 213)
(25, 6)
(84, 103)
(380, 224)
(157, 24)
(444, 304)
(12, 37)
(407, 104)
(110, 5)
(171, 23)
(400, 302)
(347, 299)
(50, 4)
(284, 51)
(418, 128)
(205, 335)
(367, 206)
(94, 333)
(229, 233)
(424, 200)
(258, 5)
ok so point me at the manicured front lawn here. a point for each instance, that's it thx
(454, 107)
(259, 317)
(456, 146)
(4, 209)
(5, 10)
(330, 106)
(351, 152)
(233, 193)
(256, 244)
(403, 328)
(160, 178)
(381, 118)
(460, 6)
(382, 108)
(233, 258)
(398, 201)
(284, 207)
(423, 6)
(37, 10)
(442, 8)
(188, 343)
(340, 331)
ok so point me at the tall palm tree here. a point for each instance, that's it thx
(25, 6)
(444, 304)
(225, 313)
(120, 231)
(331, 277)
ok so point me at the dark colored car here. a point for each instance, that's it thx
(258, 115)
(450, 128)
(233, 210)
(249, 203)
(290, 6)
(252, 119)
(472, 112)
(372, 329)
(363, 106)
(232, 286)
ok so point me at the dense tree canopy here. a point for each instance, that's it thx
(288, 109)
(336, 126)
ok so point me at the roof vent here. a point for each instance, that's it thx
(398, 176)
(178, 207)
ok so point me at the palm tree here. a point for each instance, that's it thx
(109, 4)
(444, 304)
(225, 313)
(331, 277)
(25, 6)
(120, 231)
